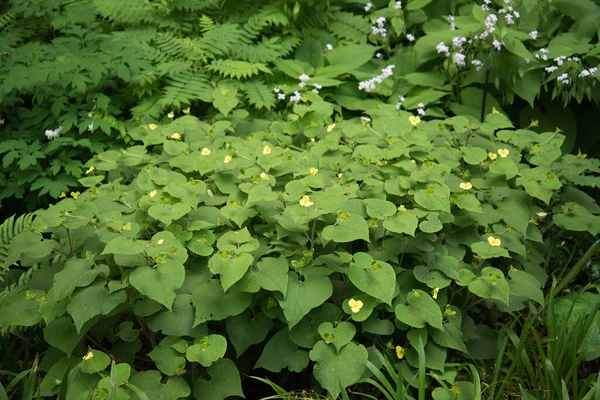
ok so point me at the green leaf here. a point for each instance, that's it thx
(348, 58)
(525, 285)
(212, 304)
(491, 284)
(376, 278)
(206, 350)
(269, 273)
(436, 197)
(225, 382)
(76, 273)
(98, 362)
(62, 334)
(451, 335)
(504, 166)
(244, 331)
(352, 228)
(225, 98)
(231, 268)
(93, 300)
(124, 245)
(421, 310)
(159, 283)
(379, 208)
(486, 250)
(150, 383)
(167, 359)
(178, 321)
(280, 352)
(303, 296)
(516, 47)
(167, 213)
(403, 222)
(340, 335)
(336, 371)
(432, 224)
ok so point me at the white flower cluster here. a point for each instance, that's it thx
(317, 87)
(478, 64)
(421, 109)
(303, 78)
(328, 47)
(398, 5)
(559, 62)
(533, 34)
(379, 29)
(588, 72)
(452, 24)
(280, 96)
(369, 85)
(368, 7)
(497, 44)
(410, 37)
(296, 97)
(543, 54)
(53, 134)
(399, 104)
(442, 48)
(563, 78)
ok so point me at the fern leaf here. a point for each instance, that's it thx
(346, 25)
(9, 229)
(6, 19)
(220, 39)
(185, 87)
(237, 69)
(125, 10)
(259, 94)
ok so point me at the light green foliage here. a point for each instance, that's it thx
(291, 226)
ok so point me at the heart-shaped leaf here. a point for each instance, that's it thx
(339, 335)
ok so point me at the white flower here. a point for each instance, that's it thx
(296, 97)
(380, 21)
(315, 90)
(53, 134)
(379, 55)
(91, 127)
(491, 21)
(277, 89)
(564, 79)
(317, 86)
(365, 119)
(442, 48)
(527, 60)
(410, 37)
(398, 105)
(478, 64)
(304, 77)
(458, 42)
(497, 44)
(509, 19)
(398, 5)
(302, 84)
(551, 68)
(450, 17)
(369, 85)
(281, 96)
(328, 47)
(421, 111)
(533, 34)
(459, 59)
(368, 7)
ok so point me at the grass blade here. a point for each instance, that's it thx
(422, 363)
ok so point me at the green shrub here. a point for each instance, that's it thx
(312, 248)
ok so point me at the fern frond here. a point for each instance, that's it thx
(259, 94)
(125, 10)
(7, 19)
(346, 25)
(185, 87)
(193, 5)
(206, 24)
(10, 228)
(273, 16)
(237, 69)
(220, 39)
(14, 294)
(263, 52)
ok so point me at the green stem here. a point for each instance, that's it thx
(573, 272)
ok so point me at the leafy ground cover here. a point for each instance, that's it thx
(348, 197)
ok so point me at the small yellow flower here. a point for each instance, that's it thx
(312, 139)
(153, 193)
(75, 194)
(205, 151)
(339, 175)
(227, 159)
(186, 111)
(313, 171)
(266, 150)
(413, 162)
(62, 195)
(435, 292)
(414, 120)
(466, 185)
(541, 214)
(264, 175)
(161, 241)
(494, 111)
(355, 305)
(88, 356)
(492, 156)
(503, 153)
(127, 227)
(171, 115)
(305, 201)
(494, 241)
(152, 126)
(330, 128)
(400, 352)
(401, 207)
(90, 170)
(176, 136)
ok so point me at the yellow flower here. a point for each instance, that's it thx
(266, 150)
(153, 193)
(339, 175)
(161, 241)
(176, 136)
(355, 305)
(494, 111)
(88, 356)
(330, 128)
(541, 214)
(400, 352)
(205, 151)
(503, 152)
(264, 175)
(401, 207)
(492, 156)
(62, 195)
(152, 126)
(313, 171)
(227, 159)
(312, 139)
(127, 227)
(186, 111)
(466, 185)
(414, 120)
(494, 241)
(171, 115)
(90, 170)
(413, 162)
(435, 292)
(75, 194)
(305, 201)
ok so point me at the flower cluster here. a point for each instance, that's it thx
(368, 7)
(379, 29)
(478, 64)
(421, 109)
(53, 134)
(452, 24)
(398, 5)
(303, 78)
(370, 84)
(542, 54)
(399, 104)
